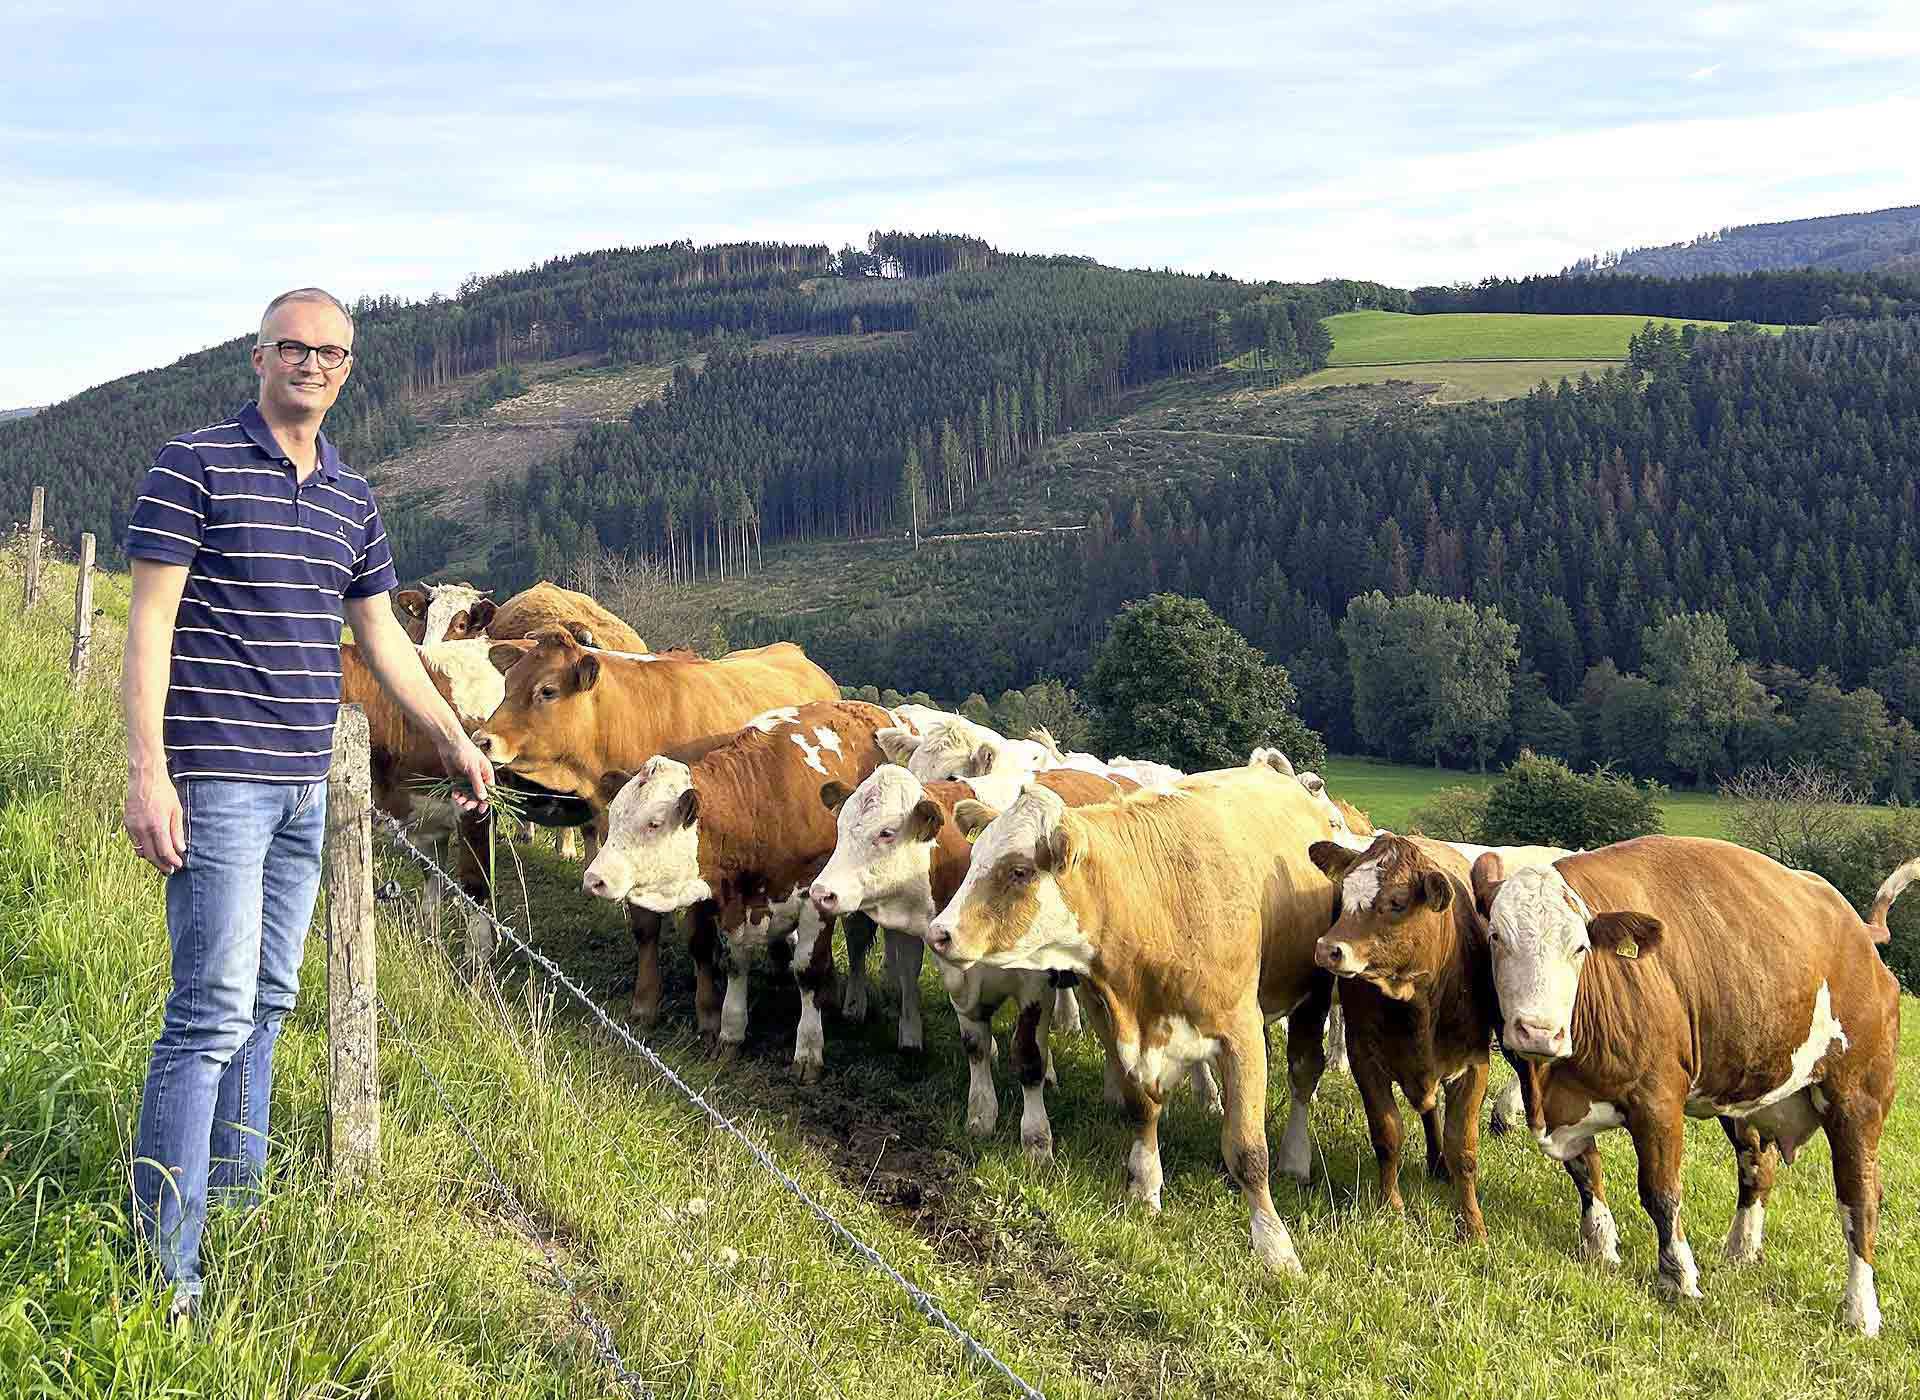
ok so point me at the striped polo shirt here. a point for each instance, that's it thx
(255, 681)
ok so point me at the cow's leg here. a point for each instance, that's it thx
(1066, 1011)
(703, 943)
(1306, 1062)
(976, 1038)
(1509, 1108)
(1464, 1096)
(1030, 1068)
(1337, 1040)
(590, 840)
(1745, 1240)
(1383, 1123)
(906, 955)
(1206, 1085)
(1243, 1138)
(1659, 1140)
(566, 842)
(813, 970)
(1433, 1129)
(1112, 1089)
(645, 925)
(860, 931)
(1599, 1231)
(738, 956)
(1853, 1132)
(1144, 1177)
(469, 850)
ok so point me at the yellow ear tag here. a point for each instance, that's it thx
(1627, 948)
(974, 835)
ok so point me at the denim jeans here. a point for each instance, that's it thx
(237, 917)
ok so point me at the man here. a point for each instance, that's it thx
(248, 540)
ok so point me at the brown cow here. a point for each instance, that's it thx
(1190, 912)
(743, 826)
(570, 715)
(1669, 977)
(1417, 991)
(898, 857)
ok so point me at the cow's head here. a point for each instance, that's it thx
(1543, 935)
(1347, 821)
(882, 862)
(548, 712)
(1396, 911)
(956, 753)
(651, 856)
(1010, 910)
(446, 612)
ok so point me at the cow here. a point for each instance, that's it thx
(571, 715)
(743, 827)
(1191, 913)
(898, 857)
(443, 612)
(1670, 977)
(1416, 992)
(546, 604)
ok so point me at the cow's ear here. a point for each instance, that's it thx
(586, 672)
(611, 782)
(1332, 859)
(1056, 850)
(581, 633)
(1488, 871)
(833, 795)
(1626, 933)
(897, 744)
(1274, 759)
(479, 614)
(412, 602)
(973, 816)
(1436, 891)
(924, 821)
(506, 655)
(980, 761)
(687, 809)
(1313, 783)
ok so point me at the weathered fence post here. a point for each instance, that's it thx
(82, 613)
(353, 1055)
(36, 522)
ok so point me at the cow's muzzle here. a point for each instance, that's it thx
(1538, 1040)
(1339, 957)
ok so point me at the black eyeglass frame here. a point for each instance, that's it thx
(319, 353)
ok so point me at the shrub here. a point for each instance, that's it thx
(1452, 814)
(1541, 801)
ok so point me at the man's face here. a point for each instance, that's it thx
(304, 390)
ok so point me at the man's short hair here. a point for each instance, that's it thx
(305, 294)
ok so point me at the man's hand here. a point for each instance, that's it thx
(155, 822)
(463, 761)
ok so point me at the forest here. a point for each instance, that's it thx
(1884, 239)
(1797, 297)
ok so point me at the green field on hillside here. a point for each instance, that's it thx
(1459, 381)
(1395, 337)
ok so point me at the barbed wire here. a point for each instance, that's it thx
(598, 1330)
(923, 1302)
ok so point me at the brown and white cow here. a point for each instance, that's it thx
(1417, 994)
(898, 857)
(570, 715)
(1671, 977)
(443, 612)
(744, 827)
(1191, 912)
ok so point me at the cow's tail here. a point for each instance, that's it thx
(1044, 738)
(1890, 889)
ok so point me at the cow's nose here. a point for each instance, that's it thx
(1333, 956)
(483, 741)
(940, 938)
(595, 885)
(824, 899)
(1537, 1037)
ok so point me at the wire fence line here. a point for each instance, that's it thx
(922, 1301)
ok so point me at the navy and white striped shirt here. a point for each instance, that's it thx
(255, 683)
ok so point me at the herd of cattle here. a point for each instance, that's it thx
(1633, 986)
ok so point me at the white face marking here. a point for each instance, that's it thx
(1564, 1144)
(812, 753)
(478, 687)
(944, 753)
(875, 869)
(649, 859)
(827, 739)
(773, 719)
(443, 604)
(1362, 885)
(1540, 941)
(1052, 939)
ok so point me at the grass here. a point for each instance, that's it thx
(432, 1282)
(1390, 793)
(1395, 337)
(1460, 381)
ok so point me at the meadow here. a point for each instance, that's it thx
(1395, 337)
(435, 1281)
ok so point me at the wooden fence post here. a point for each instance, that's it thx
(82, 613)
(36, 523)
(353, 1054)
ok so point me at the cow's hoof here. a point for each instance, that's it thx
(709, 1027)
(1299, 1173)
(981, 1124)
(912, 1043)
(1674, 1289)
(645, 1016)
(1470, 1231)
(1038, 1146)
(1599, 1236)
(808, 1071)
(1437, 1170)
(730, 1052)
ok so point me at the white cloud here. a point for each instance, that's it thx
(1701, 75)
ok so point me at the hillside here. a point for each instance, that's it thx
(8, 415)
(1398, 338)
(1883, 240)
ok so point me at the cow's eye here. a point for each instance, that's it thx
(887, 834)
(546, 692)
(1020, 874)
(655, 824)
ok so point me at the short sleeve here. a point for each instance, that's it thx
(373, 570)
(171, 513)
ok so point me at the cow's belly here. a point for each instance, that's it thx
(1156, 1068)
(1570, 1140)
(781, 918)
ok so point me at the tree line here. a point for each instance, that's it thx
(1796, 296)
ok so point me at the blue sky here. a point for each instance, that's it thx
(166, 169)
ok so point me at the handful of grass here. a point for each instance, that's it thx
(502, 801)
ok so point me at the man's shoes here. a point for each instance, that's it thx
(182, 1309)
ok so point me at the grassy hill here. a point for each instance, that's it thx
(1397, 337)
(434, 1282)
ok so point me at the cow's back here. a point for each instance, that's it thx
(547, 604)
(671, 700)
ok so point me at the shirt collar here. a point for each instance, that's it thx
(256, 428)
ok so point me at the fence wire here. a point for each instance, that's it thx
(922, 1301)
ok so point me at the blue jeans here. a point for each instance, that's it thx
(237, 917)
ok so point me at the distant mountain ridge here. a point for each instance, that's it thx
(10, 413)
(1881, 240)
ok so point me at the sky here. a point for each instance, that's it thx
(166, 169)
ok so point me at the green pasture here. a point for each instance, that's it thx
(1396, 337)
(433, 1282)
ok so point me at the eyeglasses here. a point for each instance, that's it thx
(295, 352)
